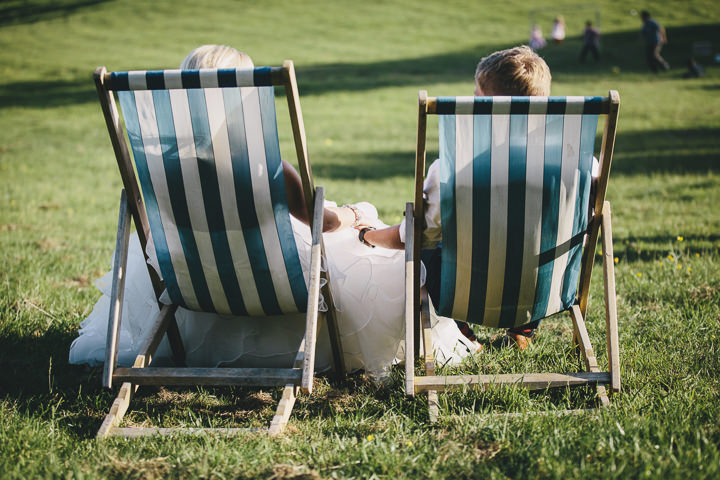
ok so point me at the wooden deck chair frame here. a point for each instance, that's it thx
(417, 314)
(295, 379)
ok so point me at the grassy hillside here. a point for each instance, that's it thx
(360, 66)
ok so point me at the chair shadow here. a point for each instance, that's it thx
(32, 12)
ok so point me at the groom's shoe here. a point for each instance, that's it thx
(519, 340)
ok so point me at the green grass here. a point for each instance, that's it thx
(359, 67)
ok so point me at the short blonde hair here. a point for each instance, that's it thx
(216, 56)
(515, 71)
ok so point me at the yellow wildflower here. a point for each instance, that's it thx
(671, 258)
(680, 238)
(616, 259)
(370, 437)
(639, 274)
(408, 443)
(697, 254)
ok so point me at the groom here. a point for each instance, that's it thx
(516, 71)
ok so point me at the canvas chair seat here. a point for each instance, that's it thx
(515, 199)
(210, 193)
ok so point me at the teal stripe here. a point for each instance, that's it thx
(279, 199)
(178, 201)
(246, 203)
(551, 204)
(132, 124)
(517, 166)
(211, 199)
(482, 152)
(587, 142)
(448, 215)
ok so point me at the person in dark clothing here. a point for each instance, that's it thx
(591, 41)
(654, 35)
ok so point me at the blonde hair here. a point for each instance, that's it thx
(515, 71)
(216, 56)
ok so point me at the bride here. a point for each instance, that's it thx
(366, 285)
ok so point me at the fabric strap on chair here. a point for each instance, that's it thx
(208, 162)
(515, 183)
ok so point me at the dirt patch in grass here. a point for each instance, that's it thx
(140, 468)
(705, 293)
(294, 472)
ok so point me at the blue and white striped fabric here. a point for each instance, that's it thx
(186, 79)
(208, 163)
(515, 184)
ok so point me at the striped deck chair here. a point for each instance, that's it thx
(209, 190)
(518, 229)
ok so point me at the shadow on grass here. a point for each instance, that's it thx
(667, 151)
(621, 50)
(14, 12)
(371, 166)
(47, 94)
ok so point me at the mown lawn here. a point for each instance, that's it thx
(360, 65)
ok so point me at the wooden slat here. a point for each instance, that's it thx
(311, 324)
(419, 203)
(258, 377)
(521, 415)
(117, 293)
(606, 156)
(298, 128)
(135, 432)
(613, 344)
(410, 302)
(531, 381)
(135, 201)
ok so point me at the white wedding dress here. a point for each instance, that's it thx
(367, 286)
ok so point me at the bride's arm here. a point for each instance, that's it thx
(334, 218)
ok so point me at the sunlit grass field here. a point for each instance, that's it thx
(360, 66)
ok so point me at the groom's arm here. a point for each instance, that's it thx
(388, 237)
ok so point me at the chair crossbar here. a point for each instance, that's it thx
(530, 381)
(135, 432)
(203, 78)
(255, 377)
(518, 105)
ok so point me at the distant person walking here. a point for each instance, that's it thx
(654, 35)
(591, 41)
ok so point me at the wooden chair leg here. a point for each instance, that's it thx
(613, 346)
(428, 358)
(122, 401)
(586, 350)
(287, 401)
(117, 294)
(410, 303)
(311, 325)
